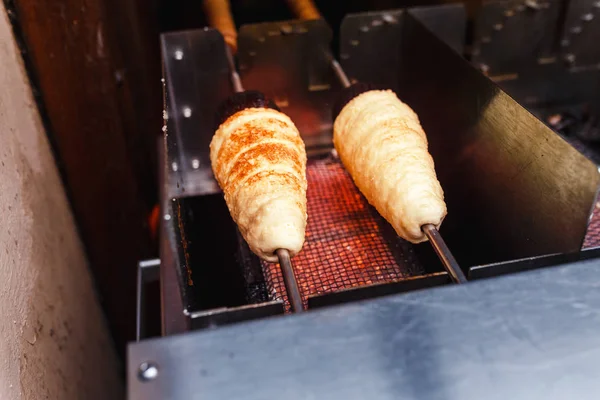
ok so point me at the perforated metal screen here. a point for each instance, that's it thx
(347, 243)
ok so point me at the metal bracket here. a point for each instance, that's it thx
(147, 271)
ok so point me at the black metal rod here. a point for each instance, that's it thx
(444, 254)
(236, 81)
(289, 278)
(339, 72)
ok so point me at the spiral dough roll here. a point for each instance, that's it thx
(259, 161)
(382, 145)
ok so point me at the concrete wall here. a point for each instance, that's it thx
(54, 342)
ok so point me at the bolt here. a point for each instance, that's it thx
(364, 28)
(390, 19)
(287, 29)
(484, 68)
(486, 39)
(532, 4)
(576, 30)
(587, 17)
(167, 217)
(187, 112)
(498, 27)
(565, 42)
(195, 163)
(174, 166)
(509, 13)
(377, 22)
(178, 54)
(147, 371)
(354, 42)
(570, 59)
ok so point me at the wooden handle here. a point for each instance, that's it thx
(218, 14)
(304, 9)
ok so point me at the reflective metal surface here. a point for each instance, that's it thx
(528, 336)
(513, 188)
(197, 80)
(285, 61)
(369, 45)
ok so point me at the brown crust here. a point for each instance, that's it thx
(249, 134)
(271, 153)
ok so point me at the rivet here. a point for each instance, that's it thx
(178, 54)
(576, 30)
(287, 29)
(389, 18)
(167, 217)
(195, 163)
(147, 371)
(187, 112)
(174, 166)
(587, 17)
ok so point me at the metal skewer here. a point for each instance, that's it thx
(444, 254)
(436, 240)
(289, 278)
(236, 81)
(285, 262)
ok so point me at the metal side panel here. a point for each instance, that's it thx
(529, 336)
(369, 41)
(514, 188)
(196, 78)
(285, 60)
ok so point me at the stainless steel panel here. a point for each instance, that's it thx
(370, 41)
(528, 336)
(285, 61)
(196, 78)
(512, 37)
(580, 34)
(514, 188)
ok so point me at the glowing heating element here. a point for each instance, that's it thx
(347, 244)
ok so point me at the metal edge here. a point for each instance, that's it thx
(361, 293)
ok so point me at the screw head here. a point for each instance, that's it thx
(287, 29)
(147, 371)
(587, 17)
(570, 58)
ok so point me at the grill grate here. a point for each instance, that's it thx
(348, 243)
(592, 237)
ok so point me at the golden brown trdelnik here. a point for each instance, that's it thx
(259, 161)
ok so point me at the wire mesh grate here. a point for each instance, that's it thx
(592, 237)
(348, 243)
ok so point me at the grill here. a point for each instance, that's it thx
(507, 200)
(519, 198)
(347, 245)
